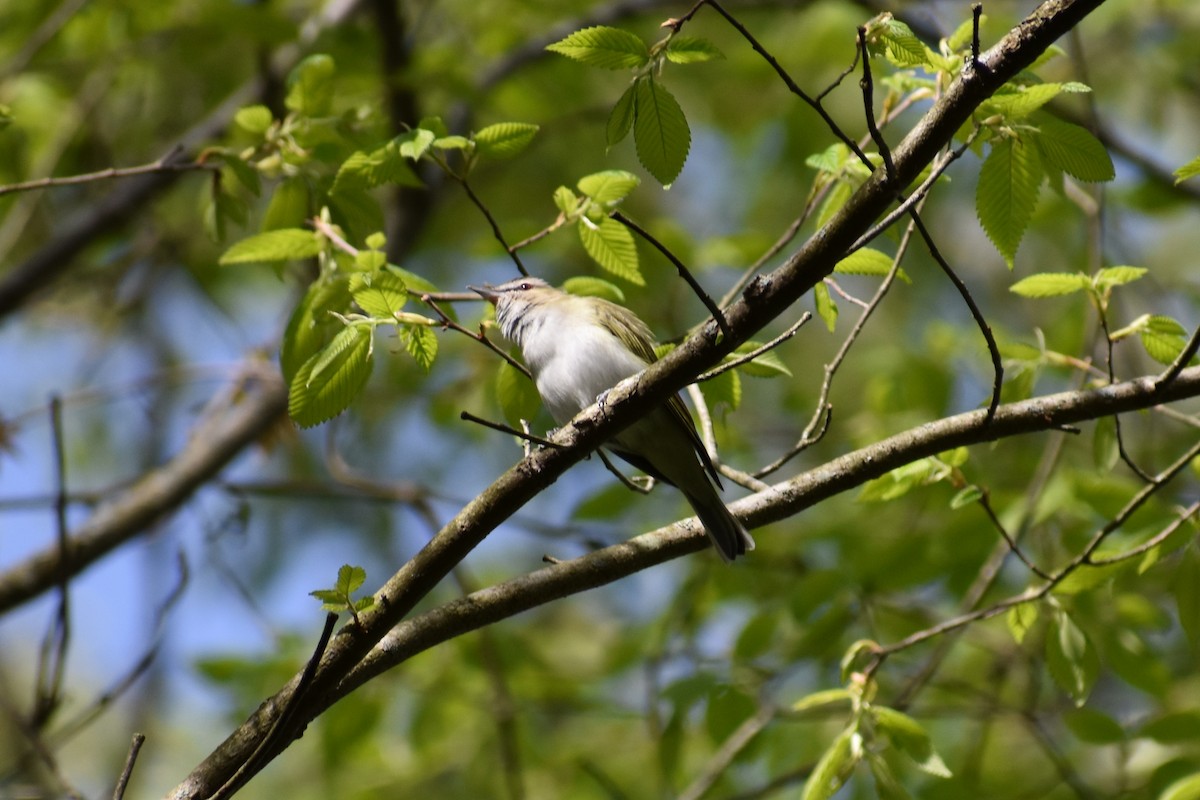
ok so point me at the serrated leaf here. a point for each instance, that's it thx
(1074, 150)
(610, 244)
(904, 49)
(660, 132)
(608, 187)
(1118, 276)
(421, 343)
(1186, 588)
(380, 294)
(310, 86)
(1189, 170)
(831, 769)
(1007, 194)
(1051, 284)
(504, 139)
(587, 286)
(255, 119)
(288, 207)
(1071, 657)
(516, 394)
(763, 365)
(345, 365)
(620, 119)
(827, 309)
(286, 244)
(866, 261)
(1020, 618)
(350, 578)
(910, 737)
(369, 260)
(367, 170)
(311, 326)
(1017, 102)
(452, 143)
(691, 50)
(413, 144)
(603, 47)
(1163, 338)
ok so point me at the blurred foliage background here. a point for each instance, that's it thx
(630, 690)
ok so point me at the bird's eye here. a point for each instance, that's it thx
(524, 287)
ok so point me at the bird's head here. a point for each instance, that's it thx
(518, 302)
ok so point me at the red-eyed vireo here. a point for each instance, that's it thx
(580, 347)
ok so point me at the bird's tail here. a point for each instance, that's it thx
(729, 536)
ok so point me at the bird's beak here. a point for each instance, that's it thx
(486, 292)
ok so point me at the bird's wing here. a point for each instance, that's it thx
(630, 329)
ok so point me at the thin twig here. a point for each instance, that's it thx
(164, 164)
(496, 232)
(707, 433)
(53, 655)
(986, 504)
(735, 743)
(867, 84)
(127, 771)
(280, 725)
(683, 271)
(479, 336)
(1181, 361)
(498, 426)
(1151, 543)
(629, 482)
(756, 352)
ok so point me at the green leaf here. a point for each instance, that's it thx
(1105, 448)
(380, 294)
(1051, 284)
(909, 737)
(1163, 338)
(255, 119)
(452, 143)
(968, 495)
(311, 326)
(822, 699)
(565, 200)
(904, 49)
(1017, 102)
(757, 635)
(660, 132)
(1074, 150)
(331, 379)
(763, 365)
(1189, 170)
(620, 119)
(1186, 588)
(414, 144)
(832, 769)
(608, 187)
(310, 86)
(504, 139)
(866, 261)
(369, 260)
(725, 388)
(421, 343)
(247, 175)
(587, 286)
(1007, 194)
(1071, 657)
(350, 578)
(603, 47)
(286, 244)
(1117, 276)
(1183, 789)
(517, 395)
(368, 170)
(1178, 727)
(610, 244)
(288, 207)
(1020, 618)
(1094, 727)
(827, 309)
(887, 787)
(691, 50)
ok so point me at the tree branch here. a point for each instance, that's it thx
(240, 417)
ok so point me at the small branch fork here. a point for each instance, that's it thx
(1086, 557)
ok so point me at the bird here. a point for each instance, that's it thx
(577, 348)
